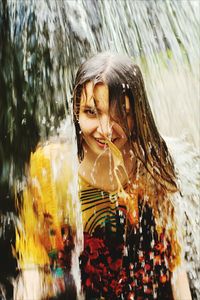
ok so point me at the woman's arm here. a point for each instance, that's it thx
(180, 287)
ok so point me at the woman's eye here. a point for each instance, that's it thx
(91, 112)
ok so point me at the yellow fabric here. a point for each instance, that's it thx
(97, 206)
(47, 204)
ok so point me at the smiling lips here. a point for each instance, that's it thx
(103, 143)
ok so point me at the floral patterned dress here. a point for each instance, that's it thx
(121, 261)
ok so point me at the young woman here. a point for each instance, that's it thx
(139, 248)
(126, 184)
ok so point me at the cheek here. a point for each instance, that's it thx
(87, 126)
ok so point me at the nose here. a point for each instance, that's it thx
(105, 126)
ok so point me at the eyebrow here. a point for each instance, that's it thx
(88, 106)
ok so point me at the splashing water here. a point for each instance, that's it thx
(41, 45)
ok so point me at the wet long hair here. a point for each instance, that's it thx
(124, 78)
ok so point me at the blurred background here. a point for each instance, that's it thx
(42, 43)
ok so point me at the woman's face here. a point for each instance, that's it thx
(95, 120)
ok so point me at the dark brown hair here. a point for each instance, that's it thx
(123, 77)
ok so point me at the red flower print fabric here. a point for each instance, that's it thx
(115, 266)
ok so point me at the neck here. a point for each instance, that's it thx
(98, 170)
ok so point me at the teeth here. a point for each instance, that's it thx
(102, 142)
(105, 142)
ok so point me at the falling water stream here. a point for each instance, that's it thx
(42, 43)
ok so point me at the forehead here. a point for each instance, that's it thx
(99, 93)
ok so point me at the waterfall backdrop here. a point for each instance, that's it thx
(42, 43)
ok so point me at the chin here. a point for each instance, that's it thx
(103, 152)
(91, 146)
